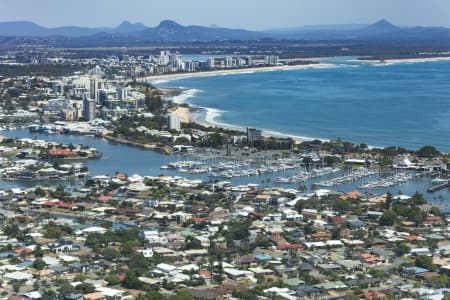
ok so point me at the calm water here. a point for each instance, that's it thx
(404, 104)
(131, 160)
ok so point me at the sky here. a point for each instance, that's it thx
(248, 14)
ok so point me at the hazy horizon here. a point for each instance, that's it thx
(251, 14)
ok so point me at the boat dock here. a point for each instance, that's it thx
(438, 187)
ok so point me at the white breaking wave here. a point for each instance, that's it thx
(183, 97)
(292, 136)
(408, 61)
(382, 64)
(213, 114)
(159, 81)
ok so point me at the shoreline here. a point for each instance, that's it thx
(123, 141)
(234, 71)
(205, 117)
(405, 60)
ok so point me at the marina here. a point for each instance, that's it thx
(389, 181)
(305, 176)
(352, 176)
(200, 165)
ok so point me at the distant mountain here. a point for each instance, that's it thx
(314, 28)
(32, 29)
(171, 31)
(379, 28)
(21, 29)
(126, 26)
(334, 32)
(166, 31)
(384, 30)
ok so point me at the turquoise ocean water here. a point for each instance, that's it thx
(401, 104)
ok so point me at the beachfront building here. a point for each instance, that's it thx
(249, 61)
(228, 62)
(211, 63)
(254, 135)
(271, 60)
(173, 122)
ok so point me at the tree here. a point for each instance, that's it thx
(13, 230)
(110, 253)
(425, 262)
(16, 286)
(182, 294)
(389, 200)
(131, 281)
(113, 280)
(435, 211)
(39, 264)
(388, 218)
(440, 281)
(40, 192)
(55, 231)
(85, 288)
(428, 152)
(38, 252)
(154, 295)
(141, 297)
(341, 205)
(331, 160)
(153, 102)
(401, 249)
(418, 199)
(238, 230)
(247, 295)
(50, 294)
(65, 287)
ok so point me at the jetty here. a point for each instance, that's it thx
(438, 187)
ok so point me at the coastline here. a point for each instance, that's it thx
(206, 117)
(405, 60)
(210, 117)
(234, 71)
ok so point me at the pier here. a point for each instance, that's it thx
(438, 187)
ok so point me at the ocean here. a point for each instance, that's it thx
(404, 104)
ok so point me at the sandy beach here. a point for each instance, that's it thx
(233, 71)
(206, 117)
(209, 117)
(183, 113)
